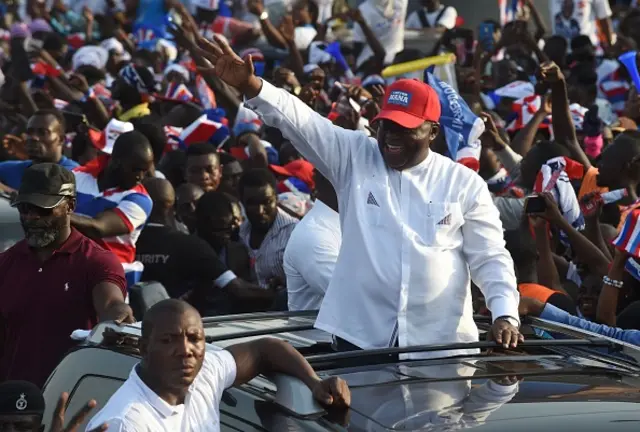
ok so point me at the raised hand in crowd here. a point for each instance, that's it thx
(287, 28)
(229, 67)
(256, 7)
(552, 212)
(491, 138)
(551, 72)
(57, 423)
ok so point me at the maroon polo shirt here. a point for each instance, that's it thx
(41, 303)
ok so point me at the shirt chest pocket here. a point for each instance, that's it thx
(372, 197)
(443, 222)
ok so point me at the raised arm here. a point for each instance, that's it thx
(326, 146)
(563, 127)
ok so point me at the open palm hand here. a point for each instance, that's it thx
(225, 63)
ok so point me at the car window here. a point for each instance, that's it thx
(92, 387)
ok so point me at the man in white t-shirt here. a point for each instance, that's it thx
(178, 384)
(587, 15)
(386, 20)
(433, 14)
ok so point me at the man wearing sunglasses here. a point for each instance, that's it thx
(54, 281)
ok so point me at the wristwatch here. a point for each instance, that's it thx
(510, 320)
(264, 15)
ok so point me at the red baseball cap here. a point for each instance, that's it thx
(299, 168)
(410, 103)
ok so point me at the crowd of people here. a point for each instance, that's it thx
(260, 156)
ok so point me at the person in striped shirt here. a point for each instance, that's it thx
(113, 205)
(267, 229)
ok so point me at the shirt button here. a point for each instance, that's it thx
(40, 270)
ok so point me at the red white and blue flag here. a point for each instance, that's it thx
(509, 10)
(178, 92)
(629, 237)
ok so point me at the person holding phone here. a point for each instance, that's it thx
(44, 143)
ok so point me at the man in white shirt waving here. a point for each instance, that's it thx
(179, 382)
(416, 225)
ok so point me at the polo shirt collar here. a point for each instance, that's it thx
(165, 409)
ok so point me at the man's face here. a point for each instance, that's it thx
(203, 171)
(20, 423)
(132, 171)
(610, 167)
(45, 139)
(174, 351)
(404, 148)
(430, 4)
(300, 14)
(260, 205)
(186, 201)
(231, 174)
(41, 226)
(220, 230)
(567, 8)
(317, 78)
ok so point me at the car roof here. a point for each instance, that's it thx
(575, 367)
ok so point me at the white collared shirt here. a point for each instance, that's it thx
(412, 239)
(136, 408)
(310, 257)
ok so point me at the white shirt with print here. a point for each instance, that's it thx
(386, 19)
(586, 13)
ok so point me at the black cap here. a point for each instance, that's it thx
(20, 397)
(45, 185)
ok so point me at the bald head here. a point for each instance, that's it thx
(161, 191)
(165, 311)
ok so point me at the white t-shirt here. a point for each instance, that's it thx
(136, 408)
(303, 36)
(310, 257)
(448, 18)
(585, 14)
(386, 19)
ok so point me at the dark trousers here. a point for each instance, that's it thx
(341, 345)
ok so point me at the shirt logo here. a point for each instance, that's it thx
(21, 403)
(399, 98)
(445, 221)
(66, 286)
(372, 200)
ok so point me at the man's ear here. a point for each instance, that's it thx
(71, 205)
(435, 130)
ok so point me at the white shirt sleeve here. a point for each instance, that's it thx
(448, 18)
(490, 264)
(328, 147)
(315, 263)
(601, 9)
(219, 371)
